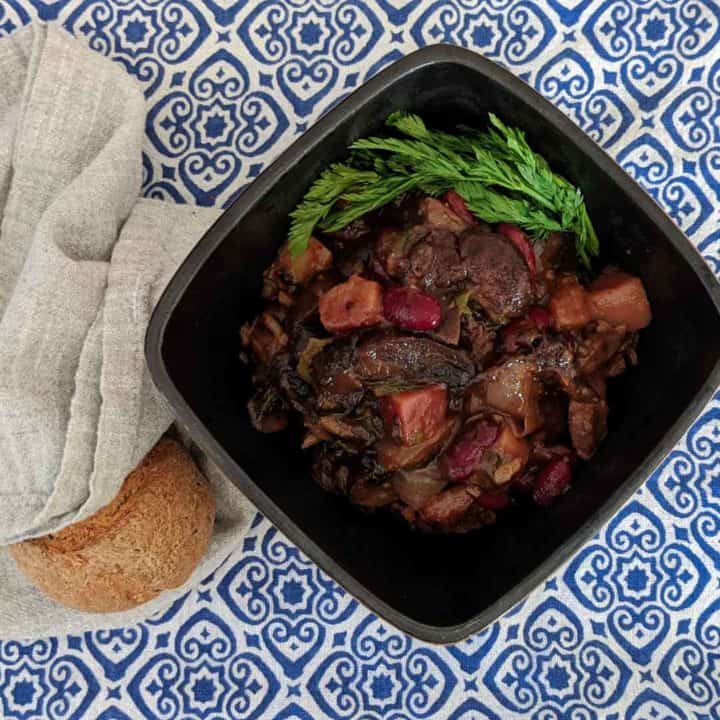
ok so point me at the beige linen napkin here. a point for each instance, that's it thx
(82, 263)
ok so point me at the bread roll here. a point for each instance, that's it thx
(148, 539)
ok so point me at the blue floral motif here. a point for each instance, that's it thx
(307, 42)
(629, 629)
(293, 645)
(647, 161)
(650, 705)
(609, 29)
(242, 590)
(568, 80)
(471, 652)
(38, 652)
(690, 668)
(23, 692)
(687, 485)
(618, 27)
(706, 530)
(555, 666)
(205, 676)
(686, 203)
(516, 35)
(144, 35)
(638, 576)
(653, 26)
(12, 17)
(639, 632)
(39, 680)
(670, 484)
(608, 117)
(649, 80)
(710, 166)
(221, 120)
(688, 478)
(646, 569)
(383, 675)
(689, 118)
(117, 650)
(72, 688)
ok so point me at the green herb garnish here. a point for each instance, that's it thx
(496, 173)
(462, 303)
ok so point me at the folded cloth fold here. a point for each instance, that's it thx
(82, 263)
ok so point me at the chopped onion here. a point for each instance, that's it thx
(416, 487)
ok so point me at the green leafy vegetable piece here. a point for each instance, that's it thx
(496, 172)
(319, 200)
(462, 303)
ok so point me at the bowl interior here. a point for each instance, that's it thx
(438, 581)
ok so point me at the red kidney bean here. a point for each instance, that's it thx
(552, 480)
(520, 240)
(493, 501)
(540, 317)
(464, 455)
(411, 309)
(525, 482)
(458, 206)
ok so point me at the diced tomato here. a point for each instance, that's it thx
(520, 240)
(552, 481)
(356, 303)
(315, 258)
(569, 305)
(393, 455)
(464, 456)
(620, 299)
(411, 309)
(459, 207)
(415, 415)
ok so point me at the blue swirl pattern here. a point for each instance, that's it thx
(630, 627)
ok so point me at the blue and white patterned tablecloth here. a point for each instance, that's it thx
(630, 628)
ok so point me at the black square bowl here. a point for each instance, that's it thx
(440, 589)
